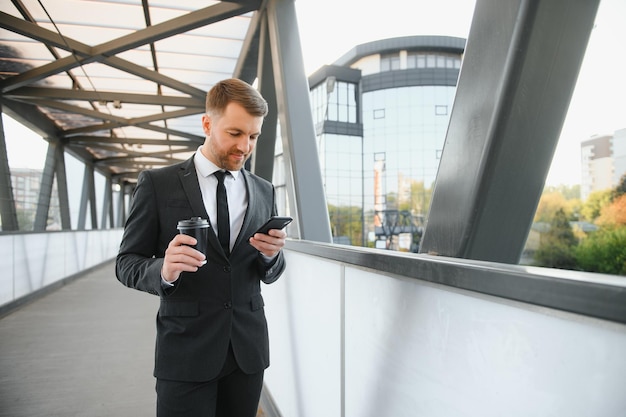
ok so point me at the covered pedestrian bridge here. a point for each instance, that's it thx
(458, 329)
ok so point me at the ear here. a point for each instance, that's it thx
(206, 124)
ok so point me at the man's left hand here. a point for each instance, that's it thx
(270, 244)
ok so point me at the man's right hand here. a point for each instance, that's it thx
(179, 257)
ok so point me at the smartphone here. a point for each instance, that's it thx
(275, 222)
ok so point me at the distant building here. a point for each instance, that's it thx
(26, 184)
(603, 162)
(381, 114)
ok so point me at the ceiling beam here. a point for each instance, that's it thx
(127, 141)
(109, 96)
(83, 54)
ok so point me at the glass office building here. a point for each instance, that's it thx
(381, 113)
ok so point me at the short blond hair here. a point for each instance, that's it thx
(237, 91)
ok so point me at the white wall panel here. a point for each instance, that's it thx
(303, 311)
(417, 348)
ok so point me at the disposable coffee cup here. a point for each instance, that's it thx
(198, 228)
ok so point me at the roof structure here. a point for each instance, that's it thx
(122, 83)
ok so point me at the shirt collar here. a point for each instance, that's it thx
(206, 167)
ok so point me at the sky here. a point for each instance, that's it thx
(598, 105)
(330, 28)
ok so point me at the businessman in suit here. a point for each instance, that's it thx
(212, 340)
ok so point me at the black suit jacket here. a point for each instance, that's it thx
(219, 304)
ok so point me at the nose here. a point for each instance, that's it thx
(245, 144)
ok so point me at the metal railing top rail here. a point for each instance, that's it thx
(35, 232)
(594, 295)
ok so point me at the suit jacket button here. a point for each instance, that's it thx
(227, 268)
(228, 305)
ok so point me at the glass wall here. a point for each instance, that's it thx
(403, 135)
(334, 101)
(341, 163)
(26, 154)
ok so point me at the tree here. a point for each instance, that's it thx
(614, 214)
(620, 190)
(556, 247)
(593, 205)
(347, 221)
(549, 204)
(603, 251)
(420, 198)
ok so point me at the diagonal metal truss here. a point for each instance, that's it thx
(91, 121)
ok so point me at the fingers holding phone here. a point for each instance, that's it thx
(270, 238)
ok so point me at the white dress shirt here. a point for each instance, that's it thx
(237, 200)
(235, 191)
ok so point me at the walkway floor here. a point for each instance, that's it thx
(84, 350)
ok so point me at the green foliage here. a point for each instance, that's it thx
(620, 190)
(549, 204)
(595, 202)
(556, 249)
(347, 221)
(604, 251)
(420, 198)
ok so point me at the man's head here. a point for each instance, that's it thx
(233, 90)
(232, 123)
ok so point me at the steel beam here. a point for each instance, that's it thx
(263, 163)
(48, 93)
(61, 175)
(88, 196)
(82, 54)
(45, 190)
(307, 200)
(246, 68)
(107, 205)
(518, 74)
(7, 201)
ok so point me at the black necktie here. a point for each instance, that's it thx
(223, 218)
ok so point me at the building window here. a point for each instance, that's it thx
(390, 62)
(334, 101)
(441, 110)
(432, 60)
(379, 113)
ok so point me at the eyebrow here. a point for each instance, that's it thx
(242, 131)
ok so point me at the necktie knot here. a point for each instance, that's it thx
(220, 176)
(223, 217)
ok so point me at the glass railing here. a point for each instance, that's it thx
(33, 261)
(365, 332)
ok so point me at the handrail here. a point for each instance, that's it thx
(590, 294)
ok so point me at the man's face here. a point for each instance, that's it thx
(231, 137)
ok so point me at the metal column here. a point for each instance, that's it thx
(7, 202)
(88, 195)
(520, 68)
(304, 179)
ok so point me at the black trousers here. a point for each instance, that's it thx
(232, 394)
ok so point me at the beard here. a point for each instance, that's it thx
(224, 158)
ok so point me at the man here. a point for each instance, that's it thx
(212, 342)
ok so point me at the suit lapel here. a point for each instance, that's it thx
(189, 180)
